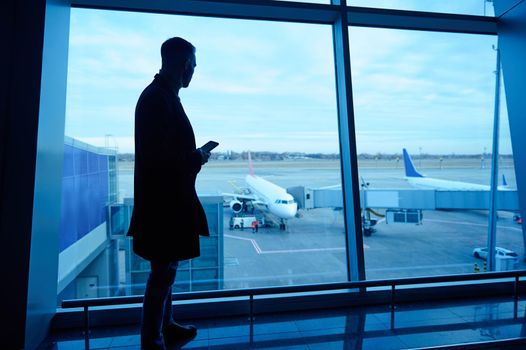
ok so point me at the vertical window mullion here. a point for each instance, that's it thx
(348, 154)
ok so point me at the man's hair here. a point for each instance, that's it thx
(175, 51)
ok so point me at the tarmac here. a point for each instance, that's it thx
(312, 249)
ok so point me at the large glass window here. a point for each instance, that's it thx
(423, 107)
(464, 7)
(265, 91)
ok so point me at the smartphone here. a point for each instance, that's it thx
(210, 145)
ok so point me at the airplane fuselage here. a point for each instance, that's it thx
(279, 202)
(439, 184)
(415, 179)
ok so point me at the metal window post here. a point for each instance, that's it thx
(492, 225)
(349, 163)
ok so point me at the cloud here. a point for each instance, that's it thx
(272, 84)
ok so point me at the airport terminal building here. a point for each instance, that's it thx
(95, 257)
(370, 158)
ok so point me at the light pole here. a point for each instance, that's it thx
(485, 1)
(492, 225)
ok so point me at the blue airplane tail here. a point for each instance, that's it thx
(410, 170)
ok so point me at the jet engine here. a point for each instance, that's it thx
(236, 206)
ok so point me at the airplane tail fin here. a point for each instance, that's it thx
(250, 165)
(504, 182)
(410, 170)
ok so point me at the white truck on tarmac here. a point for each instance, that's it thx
(243, 222)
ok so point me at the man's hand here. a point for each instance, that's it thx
(204, 155)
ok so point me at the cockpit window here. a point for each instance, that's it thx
(284, 201)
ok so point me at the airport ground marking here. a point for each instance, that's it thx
(253, 241)
(421, 267)
(472, 224)
(306, 250)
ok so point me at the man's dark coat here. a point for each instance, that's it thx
(167, 216)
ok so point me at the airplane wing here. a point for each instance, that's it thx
(240, 196)
(234, 184)
(245, 197)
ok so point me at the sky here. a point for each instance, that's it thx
(270, 86)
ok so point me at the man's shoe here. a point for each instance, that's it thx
(174, 333)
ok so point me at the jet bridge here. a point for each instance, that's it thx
(309, 198)
(403, 205)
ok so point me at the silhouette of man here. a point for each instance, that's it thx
(167, 217)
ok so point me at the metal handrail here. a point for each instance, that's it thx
(393, 283)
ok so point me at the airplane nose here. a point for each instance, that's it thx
(286, 211)
(291, 210)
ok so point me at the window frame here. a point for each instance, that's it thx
(340, 17)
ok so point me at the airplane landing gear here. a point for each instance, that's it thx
(283, 225)
(367, 224)
(368, 229)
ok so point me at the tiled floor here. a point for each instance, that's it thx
(410, 326)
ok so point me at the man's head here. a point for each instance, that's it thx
(178, 59)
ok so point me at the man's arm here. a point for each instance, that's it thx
(161, 140)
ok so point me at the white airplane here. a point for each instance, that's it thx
(414, 178)
(264, 193)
